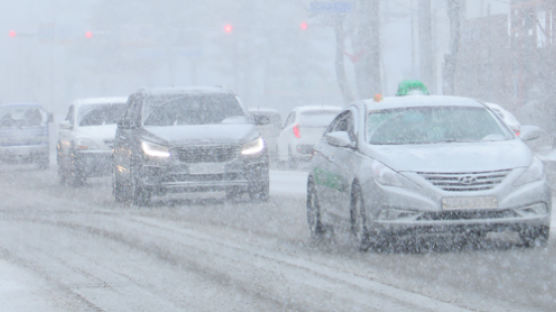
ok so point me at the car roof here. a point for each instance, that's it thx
(264, 110)
(23, 104)
(309, 108)
(100, 100)
(420, 101)
(193, 90)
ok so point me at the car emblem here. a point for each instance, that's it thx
(467, 180)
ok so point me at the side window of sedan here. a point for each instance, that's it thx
(344, 122)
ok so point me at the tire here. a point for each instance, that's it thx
(119, 190)
(359, 231)
(535, 236)
(140, 196)
(261, 192)
(44, 162)
(314, 220)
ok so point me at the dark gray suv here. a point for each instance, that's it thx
(187, 140)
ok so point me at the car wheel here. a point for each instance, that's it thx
(118, 188)
(61, 170)
(535, 236)
(359, 231)
(314, 220)
(260, 191)
(75, 175)
(140, 196)
(292, 162)
(43, 162)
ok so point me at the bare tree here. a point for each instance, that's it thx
(455, 12)
(426, 56)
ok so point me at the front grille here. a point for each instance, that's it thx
(206, 154)
(467, 215)
(201, 177)
(466, 182)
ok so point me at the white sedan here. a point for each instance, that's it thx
(302, 130)
(86, 138)
(420, 166)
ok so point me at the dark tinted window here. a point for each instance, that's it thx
(190, 110)
(104, 114)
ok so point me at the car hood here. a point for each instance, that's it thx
(454, 157)
(205, 134)
(104, 132)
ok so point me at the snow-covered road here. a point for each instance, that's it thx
(74, 249)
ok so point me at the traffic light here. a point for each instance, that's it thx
(88, 34)
(228, 28)
(12, 33)
(303, 26)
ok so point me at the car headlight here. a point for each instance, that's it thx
(534, 173)
(386, 176)
(254, 147)
(155, 150)
(85, 143)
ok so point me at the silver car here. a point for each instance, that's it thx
(421, 166)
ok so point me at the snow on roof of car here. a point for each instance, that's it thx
(184, 90)
(23, 104)
(263, 110)
(421, 100)
(100, 100)
(309, 108)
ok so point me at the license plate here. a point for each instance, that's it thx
(469, 203)
(207, 168)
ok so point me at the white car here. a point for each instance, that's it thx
(302, 129)
(268, 122)
(86, 138)
(420, 166)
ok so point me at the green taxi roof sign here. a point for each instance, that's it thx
(408, 87)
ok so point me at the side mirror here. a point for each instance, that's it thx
(66, 125)
(530, 133)
(339, 139)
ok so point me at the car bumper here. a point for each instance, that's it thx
(237, 175)
(412, 213)
(95, 163)
(28, 152)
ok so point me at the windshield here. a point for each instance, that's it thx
(21, 117)
(192, 110)
(316, 118)
(100, 114)
(429, 125)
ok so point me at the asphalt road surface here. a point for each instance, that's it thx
(75, 249)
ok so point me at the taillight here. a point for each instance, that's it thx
(296, 131)
(517, 132)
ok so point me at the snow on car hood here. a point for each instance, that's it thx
(453, 157)
(104, 132)
(204, 134)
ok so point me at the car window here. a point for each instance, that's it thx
(290, 119)
(100, 114)
(429, 125)
(191, 110)
(21, 117)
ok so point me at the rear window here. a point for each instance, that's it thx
(192, 110)
(316, 118)
(21, 117)
(100, 114)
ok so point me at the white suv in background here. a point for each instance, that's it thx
(86, 138)
(302, 129)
